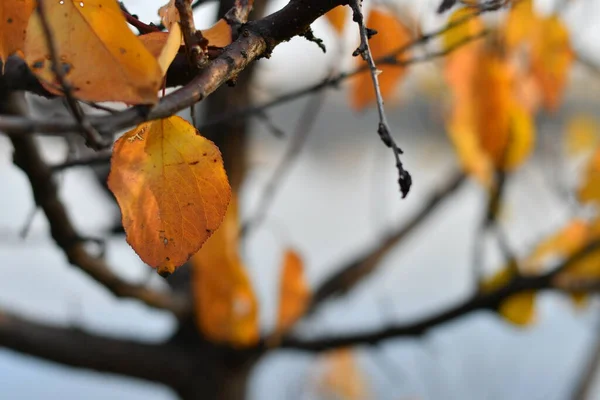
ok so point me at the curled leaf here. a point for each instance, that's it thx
(172, 190)
(101, 57)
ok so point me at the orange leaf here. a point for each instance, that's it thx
(343, 378)
(218, 35)
(226, 308)
(102, 58)
(581, 134)
(172, 190)
(14, 15)
(489, 127)
(294, 293)
(337, 18)
(392, 35)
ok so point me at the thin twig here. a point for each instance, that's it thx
(404, 178)
(195, 43)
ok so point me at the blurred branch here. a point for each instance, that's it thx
(162, 363)
(477, 301)
(354, 272)
(45, 193)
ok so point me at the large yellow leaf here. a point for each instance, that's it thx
(102, 58)
(172, 190)
(226, 308)
(391, 35)
(294, 293)
(337, 18)
(14, 16)
(342, 378)
(589, 191)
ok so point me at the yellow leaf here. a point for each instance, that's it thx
(172, 190)
(226, 308)
(102, 58)
(500, 279)
(343, 378)
(581, 134)
(14, 15)
(520, 23)
(163, 46)
(519, 308)
(392, 35)
(337, 18)
(294, 293)
(589, 191)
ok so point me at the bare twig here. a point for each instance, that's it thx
(404, 178)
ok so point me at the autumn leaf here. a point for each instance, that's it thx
(342, 377)
(172, 190)
(489, 127)
(294, 293)
(14, 15)
(559, 246)
(589, 191)
(102, 58)
(219, 35)
(337, 18)
(547, 43)
(163, 46)
(519, 308)
(226, 307)
(391, 35)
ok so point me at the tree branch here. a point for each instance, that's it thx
(477, 301)
(162, 363)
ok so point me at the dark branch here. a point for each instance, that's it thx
(162, 363)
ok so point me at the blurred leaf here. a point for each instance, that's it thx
(337, 18)
(102, 58)
(14, 15)
(294, 293)
(489, 128)
(547, 43)
(560, 246)
(172, 190)
(581, 134)
(589, 191)
(471, 26)
(226, 307)
(518, 308)
(391, 35)
(343, 378)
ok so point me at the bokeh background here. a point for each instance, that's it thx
(340, 198)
